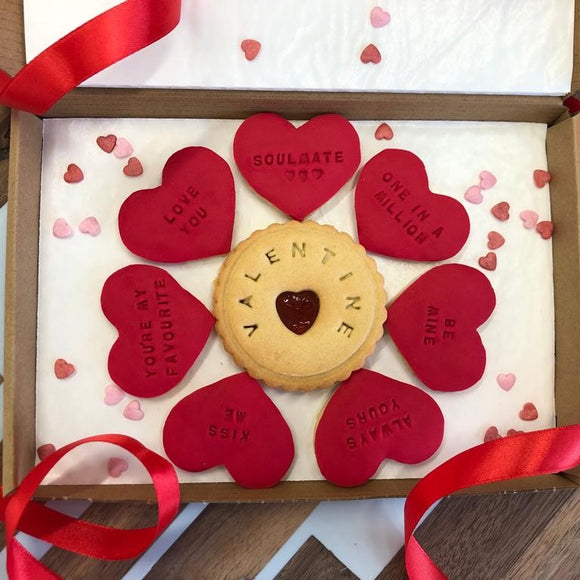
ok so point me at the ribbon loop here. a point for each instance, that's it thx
(516, 457)
(97, 44)
(19, 512)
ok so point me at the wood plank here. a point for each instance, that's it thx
(482, 537)
(231, 541)
(69, 565)
(314, 562)
(555, 551)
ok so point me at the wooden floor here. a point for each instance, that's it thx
(504, 536)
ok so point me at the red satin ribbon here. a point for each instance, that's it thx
(525, 455)
(20, 513)
(95, 45)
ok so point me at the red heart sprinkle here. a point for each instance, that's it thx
(107, 144)
(45, 450)
(501, 211)
(398, 216)
(545, 229)
(63, 369)
(189, 216)
(251, 48)
(162, 329)
(488, 262)
(512, 432)
(495, 240)
(491, 434)
(73, 174)
(370, 54)
(133, 167)
(529, 412)
(434, 325)
(231, 423)
(384, 131)
(297, 169)
(541, 177)
(371, 418)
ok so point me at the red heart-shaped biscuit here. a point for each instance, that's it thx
(371, 418)
(162, 329)
(231, 423)
(189, 216)
(434, 324)
(398, 216)
(296, 169)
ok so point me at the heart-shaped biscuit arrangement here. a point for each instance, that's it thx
(162, 329)
(371, 418)
(434, 325)
(231, 423)
(296, 169)
(189, 216)
(398, 216)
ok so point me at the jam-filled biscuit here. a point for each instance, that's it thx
(299, 305)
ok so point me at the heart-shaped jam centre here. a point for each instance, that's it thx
(298, 310)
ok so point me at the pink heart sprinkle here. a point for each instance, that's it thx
(473, 194)
(487, 180)
(530, 218)
(122, 148)
(133, 411)
(384, 131)
(379, 17)
(61, 229)
(113, 394)
(45, 450)
(251, 48)
(90, 226)
(116, 466)
(529, 412)
(507, 381)
(491, 434)
(495, 240)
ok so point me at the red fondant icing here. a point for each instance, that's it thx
(189, 216)
(398, 216)
(297, 169)
(434, 324)
(231, 423)
(162, 329)
(371, 418)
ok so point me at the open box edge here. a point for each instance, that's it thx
(563, 145)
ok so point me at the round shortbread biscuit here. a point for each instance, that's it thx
(297, 263)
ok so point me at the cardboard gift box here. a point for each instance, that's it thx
(563, 150)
